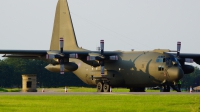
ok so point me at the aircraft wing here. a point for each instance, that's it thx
(43, 53)
(195, 57)
(23, 53)
(86, 55)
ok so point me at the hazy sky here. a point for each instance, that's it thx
(123, 24)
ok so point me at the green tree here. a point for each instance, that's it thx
(11, 70)
(191, 79)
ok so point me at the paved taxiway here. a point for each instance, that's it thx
(98, 93)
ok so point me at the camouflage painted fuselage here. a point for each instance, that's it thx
(133, 69)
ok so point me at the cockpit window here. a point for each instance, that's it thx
(160, 59)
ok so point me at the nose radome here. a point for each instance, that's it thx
(175, 73)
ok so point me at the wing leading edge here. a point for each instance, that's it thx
(194, 56)
(34, 54)
(23, 53)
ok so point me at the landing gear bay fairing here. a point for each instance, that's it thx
(134, 69)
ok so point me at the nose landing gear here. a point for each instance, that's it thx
(166, 88)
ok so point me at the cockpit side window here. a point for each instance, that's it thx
(160, 59)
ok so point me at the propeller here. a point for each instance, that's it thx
(61, 59)
(178, 48)
(186, 68)
(60, 56)
(102, 54)
(101, 57)
(62, 66)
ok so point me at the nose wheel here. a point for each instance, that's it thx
(166, 88)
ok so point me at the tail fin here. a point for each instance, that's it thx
(63, 27)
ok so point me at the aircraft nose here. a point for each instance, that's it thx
(175, 73)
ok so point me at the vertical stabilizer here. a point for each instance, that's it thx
(63, 27)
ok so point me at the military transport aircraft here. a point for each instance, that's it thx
(134, 69)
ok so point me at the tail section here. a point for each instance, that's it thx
(63, 27)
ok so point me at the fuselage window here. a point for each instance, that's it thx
(160, 68)
(161, 59)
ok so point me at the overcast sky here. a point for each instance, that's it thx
(123, 24)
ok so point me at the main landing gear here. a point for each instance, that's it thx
(103, 86)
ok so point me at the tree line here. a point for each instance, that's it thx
(192, 79)
(12, 69)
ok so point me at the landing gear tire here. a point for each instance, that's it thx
(99, 87)
(166, 88)
(139, 89)
(132, 90)
(175, 88)
(106, 87)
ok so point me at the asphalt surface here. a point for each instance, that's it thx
(98, 93)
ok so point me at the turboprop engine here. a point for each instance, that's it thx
(187, 69)
(68, 67)
(63, 59)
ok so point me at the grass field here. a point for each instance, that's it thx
(80, 89)
(10, 90)
(71, 89)
(125, 103)
(99, 103)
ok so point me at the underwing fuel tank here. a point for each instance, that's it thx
(69, 67)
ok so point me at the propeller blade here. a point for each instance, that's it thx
(102, 67)
(62, 66)
(102, 70)
(62, 69)
(178, 48)
(102, 46)
(102, 53)
(61, 45)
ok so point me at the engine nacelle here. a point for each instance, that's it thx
(113, 57)
(69, 67)
(187, 69)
